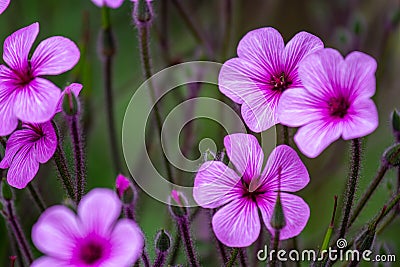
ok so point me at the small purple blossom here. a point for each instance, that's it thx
(121, 184)
(243, 194)
(24, 94)
(263, 70)
(3, 5)
(108, 3)
(93, 237)
(335, 101)
(35, 143)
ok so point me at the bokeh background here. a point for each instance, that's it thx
(370, 26)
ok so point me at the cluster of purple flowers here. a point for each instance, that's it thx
(300, 85)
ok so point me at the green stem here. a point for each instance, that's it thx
(36, 197)
(286, 140)
(275, 245)
(368, 193)
(233, 257)
(351, 185)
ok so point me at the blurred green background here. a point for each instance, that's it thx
(369, 26)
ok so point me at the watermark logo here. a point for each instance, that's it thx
(330, 254)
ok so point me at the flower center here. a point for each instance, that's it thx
(338, 107)
(25, 76)
(250, 193)
(91, 252)
(280, 82)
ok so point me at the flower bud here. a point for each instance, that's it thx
(396, 124)
(391, 156)
(178, 204)
(6, 191)
(366, 239)
(70, 104)
(142, 12)
(278, 217)
(163, 241)
(125, 190)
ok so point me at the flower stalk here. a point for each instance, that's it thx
(232, 259)
(36, 197)
(14, 223)
(108, 50)
(143, 15)
(351, 185)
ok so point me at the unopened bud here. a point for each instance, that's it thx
(178, 204)
(396, 124)
(391, 156)
(125, 189)
(70, 104)
(163, 241)
(142, 12)
(278, 217)
(366, 239)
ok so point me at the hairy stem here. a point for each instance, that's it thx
(63, 171)
(145, 258)
(275, 246)
(183, 224)
(18, 233)
(351, 185)
(79, 158)
(36, 197)
(108, 52)
(175, 249)
(143, 35)
(232, 259)
(368, 193)
(160, 259)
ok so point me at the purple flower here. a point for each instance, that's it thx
(263, 70)
(108, 3)
(24, 94)
(35, 143)
(3, 5)
(95, 237)
(335, 101)
(245, 193)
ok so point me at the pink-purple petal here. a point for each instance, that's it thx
(320, 72)
(56, 232)
(284, 162)
(301, 45)
(46, 146)
(37, 101)
(18, 45)
(298, 107)
(295, 210)
(240, 79)
(314, 137)
(54, 56)
(259, 113)
(237, 224)
(362, 119)
(98, 211)
(359, 76)
(108, 3)
(263, 47)
(245, 154)
(127, 244)
(23, 167)
(3, 5)
(215, 185)
(49, 261)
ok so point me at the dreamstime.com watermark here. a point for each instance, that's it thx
(328, 254)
